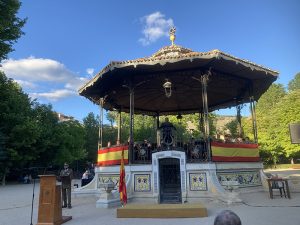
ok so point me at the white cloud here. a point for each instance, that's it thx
(26, 84)
(36, 69)
(54, 95)
(90, 71)
(155, 27)
(52, 77)
(76, 83)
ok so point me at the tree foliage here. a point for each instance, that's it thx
(30, 134)
(232, 126)
(145, 127)
(265, 120)
(70, 142)
(294, 84)
(286, 112)
(16, 124)
(91, 126)
(276, 109)
(10, 26)
(46, 143)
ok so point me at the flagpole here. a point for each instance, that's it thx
(122, 182)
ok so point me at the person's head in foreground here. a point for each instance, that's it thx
(66, 165)
(227, 217)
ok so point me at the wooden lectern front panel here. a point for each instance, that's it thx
(50, 212)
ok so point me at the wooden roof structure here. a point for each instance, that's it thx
(232, 81)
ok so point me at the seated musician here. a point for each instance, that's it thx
(167, 136)
(142, 150)
(247, 140)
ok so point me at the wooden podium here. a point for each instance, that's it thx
(50, 207)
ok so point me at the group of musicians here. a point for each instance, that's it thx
(195, 149)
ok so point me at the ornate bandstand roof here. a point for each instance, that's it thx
(231, 81)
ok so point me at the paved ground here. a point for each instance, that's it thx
(258, 209)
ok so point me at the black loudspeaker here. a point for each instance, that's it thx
(295, 133)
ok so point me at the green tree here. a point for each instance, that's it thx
(46, 145)
(267, 122)
(269, 99)
(10, 26)
(247, 127)
(124, 127)
(144, 128)
(232, 126)
(70, 140)
(3, 158)
(109, 135)
(91, 126)
(18, 126)
(286, 112)
(295, 83)
(112, 116)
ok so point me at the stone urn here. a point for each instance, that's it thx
(108, 186)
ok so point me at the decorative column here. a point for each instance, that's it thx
(157, 130)
(253, 116)
(204, 79)
(131, 115)
(100, 137)
(201, 122)
(239, 119)
(119, 127)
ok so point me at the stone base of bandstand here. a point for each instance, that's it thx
(200, 182)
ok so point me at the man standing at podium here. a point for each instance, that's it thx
(66, 176)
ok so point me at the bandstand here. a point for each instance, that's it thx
(177, 81)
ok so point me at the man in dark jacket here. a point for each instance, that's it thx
(66, 176)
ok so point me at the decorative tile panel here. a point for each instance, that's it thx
(198, 181)
(244, 178)
(104, 179)
(142, 182)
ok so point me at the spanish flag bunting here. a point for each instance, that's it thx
(122, 183)
(234, 152)
(112, 155)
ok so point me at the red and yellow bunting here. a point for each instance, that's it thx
(232, 152)
(112, 155)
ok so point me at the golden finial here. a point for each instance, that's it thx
(172, 34)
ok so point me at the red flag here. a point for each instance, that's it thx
(122, 183)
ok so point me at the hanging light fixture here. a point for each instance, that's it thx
(168, 88)
(179, 118)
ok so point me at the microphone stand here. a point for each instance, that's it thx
(32, 200)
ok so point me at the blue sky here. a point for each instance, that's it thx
(67, 42)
